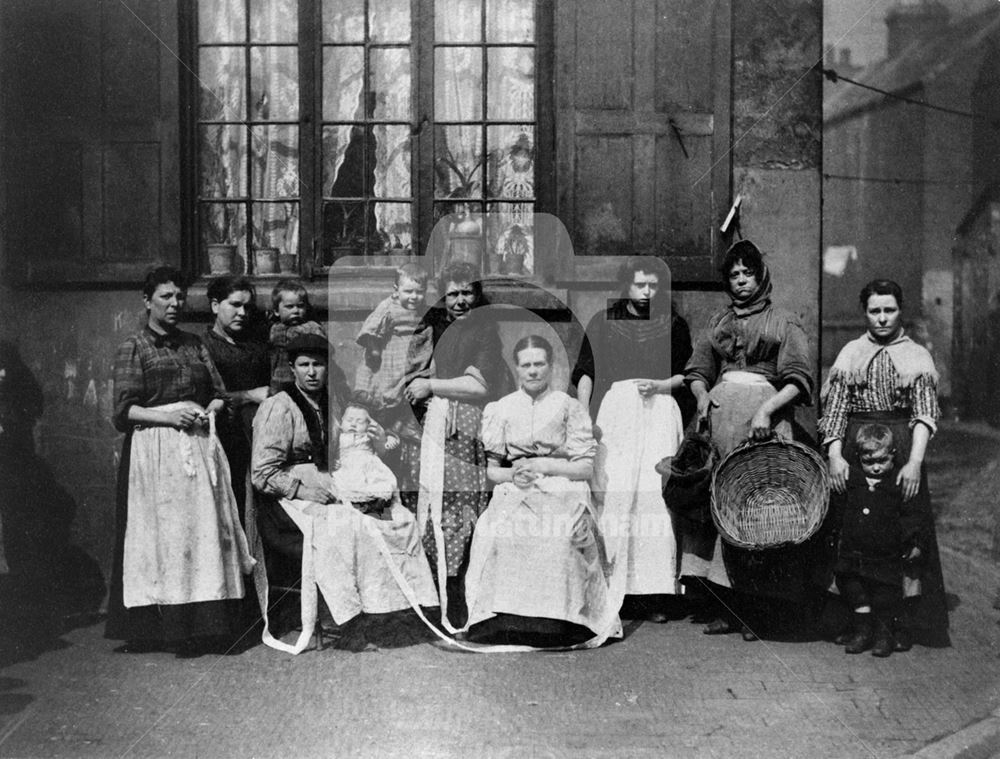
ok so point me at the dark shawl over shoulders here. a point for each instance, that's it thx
(243, 364)
(620, 345)
(455, 346)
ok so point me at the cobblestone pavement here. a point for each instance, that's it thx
(665, 691)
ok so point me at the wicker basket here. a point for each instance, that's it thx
(770, 494)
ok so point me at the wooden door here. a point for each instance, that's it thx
(643, 131)
(90, 133)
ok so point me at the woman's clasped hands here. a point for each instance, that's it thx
(527, 471)
(186, 415)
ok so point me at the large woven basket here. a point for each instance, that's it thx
(768, 494)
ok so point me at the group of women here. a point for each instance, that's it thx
(526, 515)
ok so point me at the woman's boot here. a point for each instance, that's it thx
(861, 638)
(883, 643)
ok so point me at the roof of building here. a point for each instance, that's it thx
(921, 62)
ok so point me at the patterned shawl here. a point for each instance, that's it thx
(910, 360)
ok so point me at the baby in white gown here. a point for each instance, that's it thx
(362, 478)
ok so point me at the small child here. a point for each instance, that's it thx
(879, 544)
(290, 312)
(385, 336)
(361, 477)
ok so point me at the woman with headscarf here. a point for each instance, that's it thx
(748, 371)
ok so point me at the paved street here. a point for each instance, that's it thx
(666, 690)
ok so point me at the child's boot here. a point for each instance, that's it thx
(883, 643)
(861, 637)
(902, 635)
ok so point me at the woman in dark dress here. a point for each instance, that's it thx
(885, 377)
(243, 363)
(456, 368)
(630, 366)
(180, 553)
(748, 371)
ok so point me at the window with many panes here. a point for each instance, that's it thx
(342, 130)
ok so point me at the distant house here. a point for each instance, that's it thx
(900, 177)
(976, 345)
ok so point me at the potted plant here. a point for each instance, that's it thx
(221, 252)
(220, 216)
(287, 255)
(266, 259)
(348, 241)
(465, 227)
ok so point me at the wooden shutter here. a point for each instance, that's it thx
(91, 148)
(643, 102)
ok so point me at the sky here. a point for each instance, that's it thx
(860, 24)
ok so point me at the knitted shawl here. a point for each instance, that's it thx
(912, 361)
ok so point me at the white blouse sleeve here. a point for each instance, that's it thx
(494, 433)
(580, 444)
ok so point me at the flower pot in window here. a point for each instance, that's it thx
(465, 241)
(266, 261)
(220, 258)
(286, 263)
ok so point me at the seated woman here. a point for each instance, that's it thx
(345, 553)
(535, 572)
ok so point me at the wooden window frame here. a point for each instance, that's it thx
(310, 126)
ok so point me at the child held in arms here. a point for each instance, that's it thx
(879, 547)
(361, 477)
(385, 337)
(290, 312)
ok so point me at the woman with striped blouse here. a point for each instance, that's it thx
(885, 377)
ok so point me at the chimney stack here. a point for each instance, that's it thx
(912, 20)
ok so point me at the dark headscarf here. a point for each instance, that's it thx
(760, 298)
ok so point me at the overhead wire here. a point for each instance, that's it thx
(833, 76)
(898, 180)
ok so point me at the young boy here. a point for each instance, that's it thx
(879, 544)
(385, 336)
(290, 312)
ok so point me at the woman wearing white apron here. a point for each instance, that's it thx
(748, 371)
(180, 553)
(536, 573)
(372, 572)
(630, 363)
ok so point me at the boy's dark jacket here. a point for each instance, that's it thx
(874, 544)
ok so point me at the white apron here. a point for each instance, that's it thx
(536, 554)
(183, 540)
(737, 396)
(595, 607)
(639, 538)
(359, 563)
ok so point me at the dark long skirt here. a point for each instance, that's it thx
(159, 624)
(925, 615)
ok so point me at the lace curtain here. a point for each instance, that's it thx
(501, 172)
(260, 161)
(486, 157)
